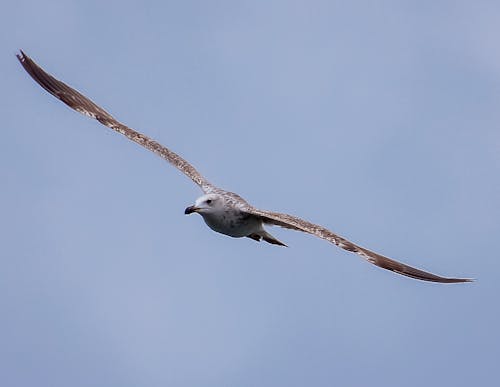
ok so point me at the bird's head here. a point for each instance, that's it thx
(206, 204)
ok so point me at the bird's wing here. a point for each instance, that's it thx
(294, 223)
(82, 104)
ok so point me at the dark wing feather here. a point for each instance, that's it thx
(82, 104)
(292, 222)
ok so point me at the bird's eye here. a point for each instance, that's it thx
(209, 201)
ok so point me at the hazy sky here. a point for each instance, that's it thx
(379, 120)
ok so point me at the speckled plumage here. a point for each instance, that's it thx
(235, 217)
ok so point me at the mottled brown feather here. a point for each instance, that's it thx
(295, 223)
(82, 104)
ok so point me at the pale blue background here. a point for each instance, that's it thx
(379, 120)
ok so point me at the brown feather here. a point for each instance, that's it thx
(82, 104)
(295, 223)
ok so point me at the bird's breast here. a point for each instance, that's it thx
(233, 223)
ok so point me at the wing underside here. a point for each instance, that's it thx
(295, 223)
(84, 105)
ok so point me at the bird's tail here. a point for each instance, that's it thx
(270, 239)
(267, 237)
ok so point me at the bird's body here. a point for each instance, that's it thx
(223, 211)
(233, 223)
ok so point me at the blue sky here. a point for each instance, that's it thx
(379, 120)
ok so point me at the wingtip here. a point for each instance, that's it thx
(460, 280)
(21, 55)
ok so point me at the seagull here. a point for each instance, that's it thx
(223, 211)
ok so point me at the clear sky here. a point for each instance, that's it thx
(379, 120)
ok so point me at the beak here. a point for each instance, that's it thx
(190, 210)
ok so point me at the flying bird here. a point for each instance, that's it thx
(223, 211)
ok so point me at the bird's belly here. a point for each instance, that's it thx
(236, 227)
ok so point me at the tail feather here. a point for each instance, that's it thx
(267, 237)
(270, 239)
